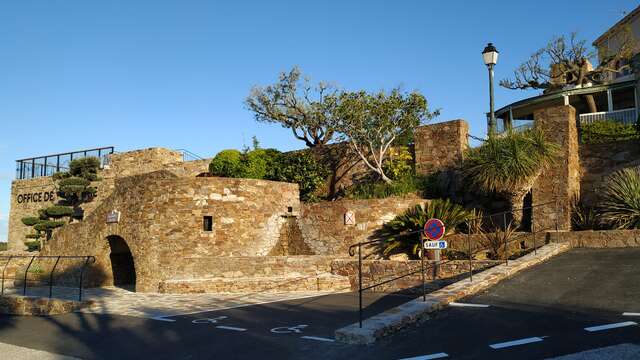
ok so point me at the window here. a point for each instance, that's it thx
(207, 223)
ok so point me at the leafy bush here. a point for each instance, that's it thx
(400, 234)
(59, 211)
(48, 225)
(300, 167)
(584, 218)
(495, 241)
(33, 245)
(259, 163)
(399, 164)
(380, 189)
(3, 246)
(86, 168)
(620, 206)
(30, 220)
(599, 132)
(226, 163)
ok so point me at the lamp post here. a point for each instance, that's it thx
(490, 57)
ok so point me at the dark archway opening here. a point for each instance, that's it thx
(122, 266)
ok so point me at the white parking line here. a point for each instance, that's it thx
(428, 357)
(630, 314)
(230, 328)
(507, 344)
(161, 318)
(610, 326)
(317, 338)
(456, 304)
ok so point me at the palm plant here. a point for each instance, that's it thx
(509, 165)
(620, 206)
(497, 241)
(402, 233)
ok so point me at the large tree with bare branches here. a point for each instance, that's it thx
(309, 111)
(567, 62)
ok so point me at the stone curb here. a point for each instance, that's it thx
(415, 311)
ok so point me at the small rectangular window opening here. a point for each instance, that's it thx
(290, 209)
(207, 223)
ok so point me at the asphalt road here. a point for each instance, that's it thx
(540, 313)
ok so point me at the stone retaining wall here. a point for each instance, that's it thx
(32, 306)
(598, 239)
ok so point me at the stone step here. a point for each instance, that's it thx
(268, 284)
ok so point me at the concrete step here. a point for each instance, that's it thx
(269, 284)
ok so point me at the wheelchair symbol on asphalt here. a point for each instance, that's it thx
(208, 320)
(288, 329)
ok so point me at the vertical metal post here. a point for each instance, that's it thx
(58, 163)
(470, 254)
(3, 273)
(86, 261)
(51, 278)
(556, 217)
(33, 168)
(492, 116)
(506, 249)
(26, 272)
(424, 290)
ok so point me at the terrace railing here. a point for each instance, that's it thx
(50, 164)
(625, 116)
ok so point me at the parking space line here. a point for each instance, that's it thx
(457, 304)
(230, 328)
(507, 344)
(440, 355)
(317, 338)
(630, 314)
(610, 326)
(161, 318)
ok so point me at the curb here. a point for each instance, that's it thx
(416, 311)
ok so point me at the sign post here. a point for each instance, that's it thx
(434, 230)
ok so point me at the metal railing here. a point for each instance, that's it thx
(625, 116)
(435, 266)
(49, 280)
(189, 156)
(50, 164)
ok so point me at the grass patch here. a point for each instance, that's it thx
(600, 132)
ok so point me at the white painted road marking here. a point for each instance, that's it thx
(288, 329)
(516, 342)
(611, 326)
(317, 338)
(630, 314)
(428, 357)
(468, 305)
(230, 328)
(208, 320)
(161, 318)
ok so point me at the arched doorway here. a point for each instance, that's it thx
(122, 266)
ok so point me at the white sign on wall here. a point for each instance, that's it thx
(349, 218)
(113, 217)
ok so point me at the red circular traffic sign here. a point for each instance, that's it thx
(434, 229)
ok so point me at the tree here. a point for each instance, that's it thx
(568, 62)
(509, 165)
(293, 103)
(372, 122)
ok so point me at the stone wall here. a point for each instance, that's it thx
(323, 227)
(32, 306)
(598, 161)
(27, 197)
(162, 222)
(598, 239)
(560, 183)
(141, 161)
(440, 146)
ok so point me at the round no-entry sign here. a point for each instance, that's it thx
(434, 229)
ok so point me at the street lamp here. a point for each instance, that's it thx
(490, 57)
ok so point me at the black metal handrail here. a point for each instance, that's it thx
(48, 165)
(436, 265)
(87, 259)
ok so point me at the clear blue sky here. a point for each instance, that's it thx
(78, 74)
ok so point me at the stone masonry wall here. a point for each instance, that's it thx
(27, 197)
(440, 146)
(323, 225)
(162, 222)
(598, 239)
(560, 183)
(598, 161)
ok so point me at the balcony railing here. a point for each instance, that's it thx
(51, 164)
(625, 116)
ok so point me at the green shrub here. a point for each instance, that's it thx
(620, 205)
(226, 163)
(258, 164)
(59, 211)
(584, 218)
(33, 245)
(3, 246)
(35, 236)
(48, 225)
(599, 132)
(397, 233)
(380, 189)
(300, 167)
(86, 168)
(399, 164)
(30, 220)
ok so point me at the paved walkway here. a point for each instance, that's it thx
(118, 301)
(14, 352)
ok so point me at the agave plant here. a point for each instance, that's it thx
(620, 206)
(509, 165)
(401, 234)
(497, 241)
